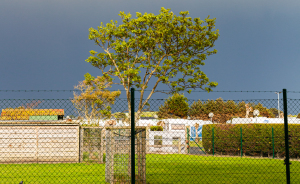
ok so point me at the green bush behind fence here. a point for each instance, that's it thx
(250, 139)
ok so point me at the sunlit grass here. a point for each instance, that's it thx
(173, 168)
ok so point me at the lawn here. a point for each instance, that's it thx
(194, 144)
(209, 169)
(160, 169)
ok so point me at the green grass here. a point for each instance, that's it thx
(209, 169)
(161, 169)
(194, 144)
(52, 173)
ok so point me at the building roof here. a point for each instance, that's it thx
(24, 114)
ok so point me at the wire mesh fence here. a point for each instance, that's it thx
(186, 141)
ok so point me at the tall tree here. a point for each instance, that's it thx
(155, 46)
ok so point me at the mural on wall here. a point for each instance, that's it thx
(193, 132)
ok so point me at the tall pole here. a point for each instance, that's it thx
(286, 133)
(132, 137)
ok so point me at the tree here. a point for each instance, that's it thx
(175, 106)
(155, 46)
(275, 112)
(94, 100)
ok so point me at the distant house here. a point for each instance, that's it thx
(32, 114)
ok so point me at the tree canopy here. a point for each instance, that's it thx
(94, 101)
(155, 46)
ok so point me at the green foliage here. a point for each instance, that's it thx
(120, 115)
(175, 106)
(94, 100)
(161, 46)
(256, 138)
(156, 128)
(275, 111)
(225, 110)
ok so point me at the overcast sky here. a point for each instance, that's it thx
(44, 44)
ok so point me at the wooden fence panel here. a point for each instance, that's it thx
(39, 143)
(18, 144)
(58, 151)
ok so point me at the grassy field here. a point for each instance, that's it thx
(161, 169)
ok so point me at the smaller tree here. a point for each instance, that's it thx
(175, 106)
(94, 100)
(275, 112)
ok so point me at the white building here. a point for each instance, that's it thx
(292, 120)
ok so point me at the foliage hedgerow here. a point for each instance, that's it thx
(177, 107)
(256, 139)
(225, 110)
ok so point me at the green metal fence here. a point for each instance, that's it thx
(200, 141)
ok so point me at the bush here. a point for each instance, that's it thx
(156, 128)
(256, 139)
(175, 106)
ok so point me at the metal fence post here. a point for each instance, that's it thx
(132, 137)
(213, 140)
(286, 137)
(273, 147)
(241, 142)
(188, 138)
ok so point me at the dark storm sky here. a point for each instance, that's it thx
(44, 44)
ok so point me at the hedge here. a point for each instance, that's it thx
(255, 139)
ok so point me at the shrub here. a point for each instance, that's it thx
(175, 106)
(256, 139)
(156, 128)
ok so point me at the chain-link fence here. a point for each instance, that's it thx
(176, 141)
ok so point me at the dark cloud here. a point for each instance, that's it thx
(44, 44)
